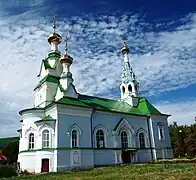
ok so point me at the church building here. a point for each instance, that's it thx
(65, 129)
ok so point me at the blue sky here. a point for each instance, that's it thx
(161, 36)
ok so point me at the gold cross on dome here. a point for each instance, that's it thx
(124, 40)
(54, 21)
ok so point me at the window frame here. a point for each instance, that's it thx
(100, 138)
(76, 141)
(161, 133)
(142, 140)
(123, 137)
(31, 141)
(45, 138)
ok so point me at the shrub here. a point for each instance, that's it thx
(25, 172)
(7, 171)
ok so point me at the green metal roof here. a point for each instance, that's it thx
(144, 108)
(46, 64)
(48, 117)
(54, 54)
(5, 141)
(48, 78)
(147, 108)
(45, 119)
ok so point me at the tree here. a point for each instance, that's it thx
(183, 139)
(11, 152)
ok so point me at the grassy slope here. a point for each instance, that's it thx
(138, 172)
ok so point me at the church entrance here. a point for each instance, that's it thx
(45, 165)
(126, 157)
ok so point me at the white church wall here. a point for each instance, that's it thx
(32, 161)
(29, 126)
(51, 91)
(43, 72)
(47, 154)
(42, 127)
(27, 161)
(40, 95)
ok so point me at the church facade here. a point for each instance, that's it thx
(66, 130)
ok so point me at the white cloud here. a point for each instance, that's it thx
(165, 60)
(183, 112)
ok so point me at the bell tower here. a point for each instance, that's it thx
(50, 71)
(129, 86)
(66, 87)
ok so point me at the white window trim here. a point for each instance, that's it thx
(161, 126)
(72, 158)
(128, 137)
(50, 136)
(79, 133)
(100, 127)
(26, 136)
(46, 129)
(146, 137)
(31, 142)
(28, 131)
(77, 136)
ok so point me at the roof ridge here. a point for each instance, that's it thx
(150, 106)
(100, 97)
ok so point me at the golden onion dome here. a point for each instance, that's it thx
(66, 59)
(54, 37)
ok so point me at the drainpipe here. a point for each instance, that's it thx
(149, 134)
(91, 124)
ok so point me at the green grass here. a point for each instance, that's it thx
(135, 172)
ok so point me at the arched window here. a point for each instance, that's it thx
(31, 141)
(161, 131)
(74, 138)
(100, 139)
(142, 140)
(130, 88)
(123, 89)
(45, 139)
(124, 139)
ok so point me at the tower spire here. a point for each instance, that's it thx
(66, 44)
(54, 22)
(129, 86)
(54, 39)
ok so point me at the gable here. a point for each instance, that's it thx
(123, 123)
